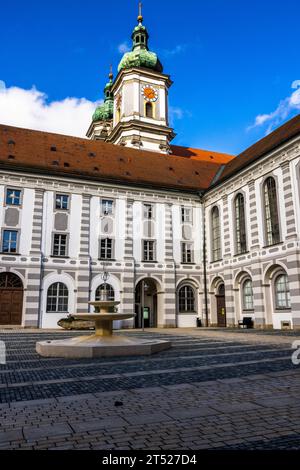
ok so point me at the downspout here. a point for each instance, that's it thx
(42, 263)
(204, 260)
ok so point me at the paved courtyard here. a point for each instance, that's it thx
(214, 389)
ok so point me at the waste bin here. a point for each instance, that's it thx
(199, 324)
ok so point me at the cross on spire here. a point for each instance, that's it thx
(140, 17)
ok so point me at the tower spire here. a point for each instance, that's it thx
(111, 75)
(140, 17)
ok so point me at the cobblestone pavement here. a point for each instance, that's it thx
(212, 390)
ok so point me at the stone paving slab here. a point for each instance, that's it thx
(212, 390)
(34, 433)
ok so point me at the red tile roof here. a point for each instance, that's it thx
(71, 156)
(278, 137)
(185, 169)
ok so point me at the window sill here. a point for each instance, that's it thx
(10, 254)
(59, 257)
(216, 261)
(189, 264)
(274, 244)
(147, 261)
(61, 313)
(106, 259)
(188, 312)
(283, 310)
(241, 254)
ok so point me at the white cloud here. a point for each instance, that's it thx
(284, 109)
(30, 109)
(176, 50)
(124, 47)
(2, 85)
(176, 113)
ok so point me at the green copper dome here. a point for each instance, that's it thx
(105, 111)
(140, 56)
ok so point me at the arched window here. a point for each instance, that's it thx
(247, 295)
(110, 292)
(216, 235)
(57, 298)
(282, 292)
(271, 212)
(186, 299)
(149, 110)
(240, 224)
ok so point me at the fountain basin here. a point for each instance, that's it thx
(99, 346)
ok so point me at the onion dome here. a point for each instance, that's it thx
(140, 56)
(105, 111)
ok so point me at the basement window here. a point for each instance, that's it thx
(53, 148)
(11, 157)
(55, 163)
(66, 165)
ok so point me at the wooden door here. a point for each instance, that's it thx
(221, 311)
(11, 299)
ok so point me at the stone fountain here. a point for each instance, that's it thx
(103, 343)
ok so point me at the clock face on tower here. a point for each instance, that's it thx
(149, 93)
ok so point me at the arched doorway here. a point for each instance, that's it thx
(146, 304)
(11, 299)
(221, 308)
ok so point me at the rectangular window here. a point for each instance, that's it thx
(187, 253)
(9, 241)
(148, 211)
(13, 197)
(149, 250)
(107, 207)
(62, 202)
(59, 245)
(186, 215)
(106, 248)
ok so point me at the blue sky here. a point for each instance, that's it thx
(231, 61)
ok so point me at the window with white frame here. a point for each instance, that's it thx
(9, 241)
(271, 212)
(107, 207)
(186, 215)
(106, 248)
(62, 202)
(13, 197)
(57, 298)
(282, 292)
(187, 252)
(60, 244)
(186, 299)
(148, 211)
(240, 224)
(247, 295)
(109, 289)
(148, 250)
(216, 234)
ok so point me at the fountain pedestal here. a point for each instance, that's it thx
(102, 343)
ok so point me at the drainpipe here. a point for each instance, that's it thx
(41, 289)
(204, 260)
(41, 286)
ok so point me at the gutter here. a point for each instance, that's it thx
(200, 194)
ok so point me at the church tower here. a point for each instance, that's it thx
(102, 119)
(140, 99)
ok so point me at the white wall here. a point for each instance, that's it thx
(74, 225)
